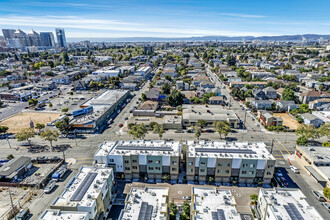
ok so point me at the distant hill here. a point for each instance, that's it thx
(310, 37)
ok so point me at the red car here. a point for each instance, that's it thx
(121, 125)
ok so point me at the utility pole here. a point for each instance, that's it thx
(11, 201)
(63, 155)
(244, 127)
(8, 142)
(271, 149)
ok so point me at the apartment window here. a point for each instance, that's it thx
(202, 170)
(150, 168)
(174, 162)
(228, 164)
(220, 164)
(227, 171)
(251, 165)
(219, 171)
(191, 170)
(173, 169)
(157, 168)
(269, 173)
(191, 163)
(134, 167)
(134, 161)
(158, 161)
(270, 166)
(243, 172)
(245, 165)
(203, 163)
(111, 160)
(126, 161)
(127, 168)
(251, 172)
(149, 161)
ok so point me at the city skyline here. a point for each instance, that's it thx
(167, 19)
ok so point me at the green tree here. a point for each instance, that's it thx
(10, 157)
(254, 197)
(168, 77)
(64, 126)
(197, 132)
(202, 123)
(324, 130)
(300, 119)
(222, 128)
(159, 129)
(185, 210)
(288, 95)
(3, 129)
(65, 110)
(65, 57)
(138, 131)
(49, 135)
(39, 126)
(144, 97)
(33, 102)
(231, 61)
(50, 105)
(309, 132)
(25, 135)
(326, 192)
(173, 210)
(166, 88)
(175, 98)
(302, 140)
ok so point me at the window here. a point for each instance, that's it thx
(203, 163)
(150, 168)
(127, 168)
(158, 161)
(202, 170)
(149, 161)
(227, 171)
(220, 164)
(191, 170)
(173, 169)
(228, 164)
(219, 171)
(191, 163)
(270, 166)
(251, 172)
(244, 172)
(251, 165)
(245, 165)
(269, 173)
(134, 161)
(126, 161)
(111, 160)
(134, 167)
(174, 162)
(157, 168)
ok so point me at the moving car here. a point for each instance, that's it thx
(294, 169)
(318, 195)
(50, 186)
(23, 214)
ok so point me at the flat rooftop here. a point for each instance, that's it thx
(84, 188)
(320, 155)
(209, 113)
(138, 147)
(210, 203)
(222, 149)
(289, 204)
(51, 214)
(146, 203)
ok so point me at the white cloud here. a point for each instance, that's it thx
(243, 15)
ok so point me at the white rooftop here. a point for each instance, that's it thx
(146, 203)
(137, 147)
(222, 149)
(51, 214)
(92, 179)
(283, 199)
(208, 202)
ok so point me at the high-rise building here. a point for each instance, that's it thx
(34, 39)
(60, 35)
(8, 33)
(47, 39)
(22, 40)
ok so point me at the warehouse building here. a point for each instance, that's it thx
(146, 160)
(280, 203)
(241, 162)
(90, 191)
(15, 168)
(146, 203)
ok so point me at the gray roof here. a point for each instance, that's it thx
(14, 165)
(269, 89)
(309, 116)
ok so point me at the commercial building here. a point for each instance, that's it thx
(52, 214)
(105, 107)
(280, 203)
(15, 169)
(146, 203)
(147, 160)
(191, 114)
(61, 39)
(47, 39)
(213, 204)
(229, 162)
(316, 161)
(107, 72)
(90, 191)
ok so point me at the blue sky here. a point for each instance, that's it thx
(168, 18)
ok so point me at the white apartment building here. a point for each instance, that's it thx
(146, 203)
(90, 191)
(53, 214)
(281, 204)
(210, 203)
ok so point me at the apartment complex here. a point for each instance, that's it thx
(213, 204)
(280, 203)
(316, 161)
(90, 191)
(229, 162)
(152, 160)
(53, 214)
(146, 203)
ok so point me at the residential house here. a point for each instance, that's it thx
(147, 108)
(285, 105)
(306, 97)
(261, 104)
(310, 119)
(153, 95)
(258, 94)
(319, 102)
(216, 100)
(268, 119)
(270, 92)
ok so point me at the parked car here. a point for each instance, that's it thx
(50, 186)
(319, 196)
(326, 205)
(23, 214)
(121, 125)
(294, 169)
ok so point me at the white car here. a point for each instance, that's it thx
(50, 186)
(294, 169)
